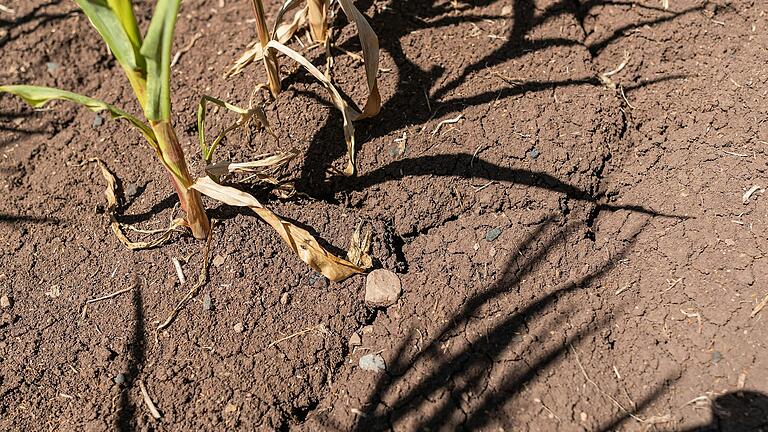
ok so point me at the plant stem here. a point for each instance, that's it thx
(172, 157)
(270, 60)
(318, 19)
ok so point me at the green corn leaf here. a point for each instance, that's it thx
(39, 96)
(116, 23)
(157, 52)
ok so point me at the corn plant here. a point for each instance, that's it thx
(147, 65)
(315, 14)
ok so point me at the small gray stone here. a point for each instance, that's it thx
(382, 288)
(5, 301)
(98, 121)
(119, 379)
(52, 67)
(207, 303)
(716, 357)
(239, 327)
(533, 153)
(131, 190)
(372, 362)
(493, 234)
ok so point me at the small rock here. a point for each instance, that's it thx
(97, 121)
(366, 330)
(207, 303)
(5, 301)
(285, 298)
(239, 327)
(583, 416)
(382, 288)
(131, 190)
(119, 379)
(230, 408)
(533, 153)
(506, 11)
(218, 260)
(355, 340)
(54, 292)
(52, 67)
(716, 357)
(493, 234)
(372, 362)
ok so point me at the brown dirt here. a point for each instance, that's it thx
(621, 282)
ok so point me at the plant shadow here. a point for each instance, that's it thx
(415, 84)
(127, 409)
(743, 410)
(410, 390)
(37, 16)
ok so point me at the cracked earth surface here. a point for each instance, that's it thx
(573, 257)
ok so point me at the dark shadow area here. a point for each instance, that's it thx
(8, 124)
(469, 366)
(38, 17)
(738, 411)
(136, 352)
(448, 165)
(408, 106)
(459, 373)
(13, 219)
(167, 203)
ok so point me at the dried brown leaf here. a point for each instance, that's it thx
(359, 248)
(265, 162)
(282, 33)
(111, 194)
(300, 240)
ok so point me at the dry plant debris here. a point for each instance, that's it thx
(298, 239)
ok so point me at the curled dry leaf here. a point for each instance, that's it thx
(258, 166)
(245, 116)
(300, 240)
(370, 45)
(282, 33)
(360, 247)
(111, 195)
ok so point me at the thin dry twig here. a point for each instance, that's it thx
(201, 280)
(8, 10)
(179, 271)
(748, 194)
(298, 333)
(589, 380)
(104, 297)
(186, 48)
(759, 307)
(147, 400)
(448, 121)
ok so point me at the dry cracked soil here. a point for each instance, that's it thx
(575, 250)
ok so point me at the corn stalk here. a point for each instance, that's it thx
(147, 66)
(318, 19)
(270, 60)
